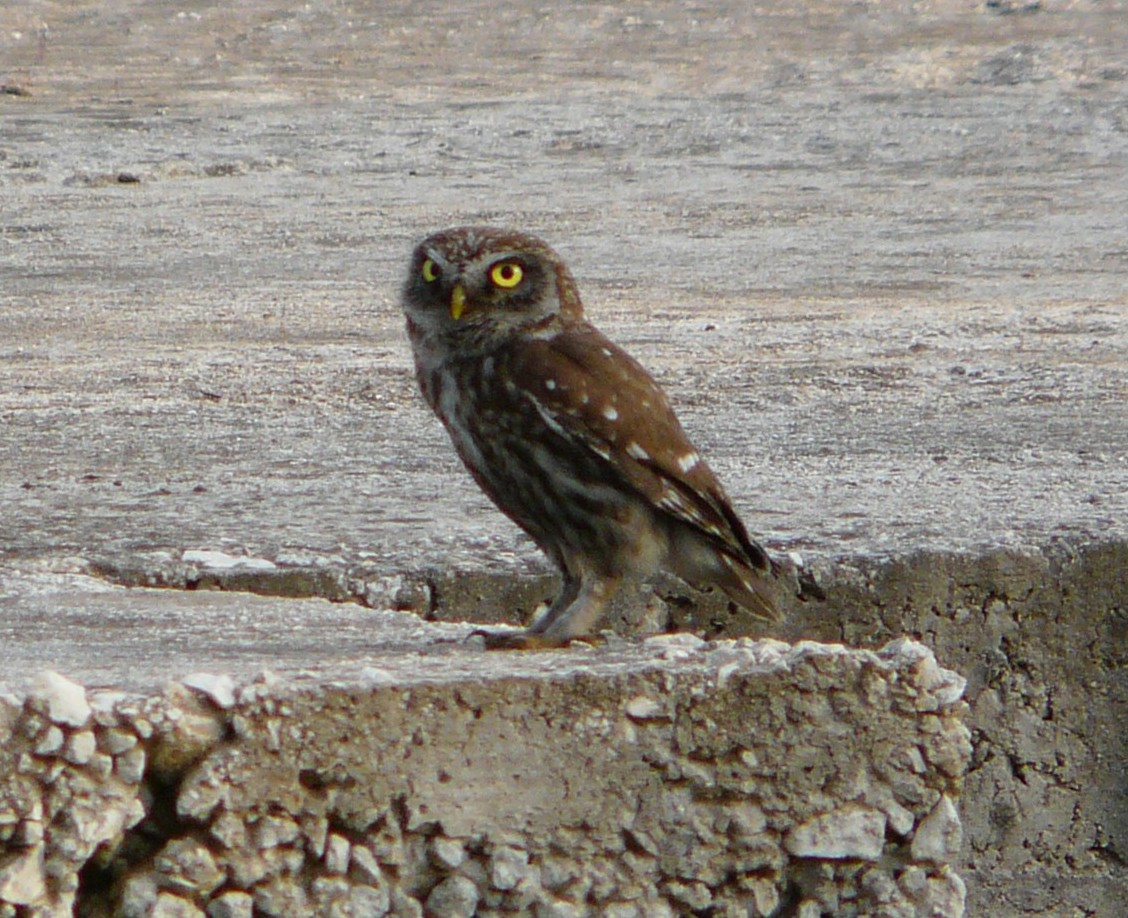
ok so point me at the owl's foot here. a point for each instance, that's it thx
(525, 640)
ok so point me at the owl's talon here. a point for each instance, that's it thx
(520, 640)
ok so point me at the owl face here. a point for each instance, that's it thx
(471, 280)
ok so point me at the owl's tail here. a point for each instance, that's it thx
(750, 589)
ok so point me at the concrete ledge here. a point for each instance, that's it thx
(671, 776)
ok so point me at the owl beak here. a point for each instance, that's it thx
(457, 302)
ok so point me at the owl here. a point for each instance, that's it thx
(566, 433)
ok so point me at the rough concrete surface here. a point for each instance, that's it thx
(877, 253)
(672, 777)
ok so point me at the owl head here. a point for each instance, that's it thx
(479, 281)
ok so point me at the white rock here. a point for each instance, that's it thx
(232, 905)
(50, 742)
(220, 689)
(448, 852)
(117, 740)
(900, 819)
(139, 897)
(80, 747)
(187, 864)
(851, 832)
(643, 707)
(21, 879)
(939, 835)
(170, 906)
(365, 865)
(64, 701)
(507, 867)
(273, 831)
(337, 854)
(454, 897)
(219, 560)
(368, 901)
(130, 765)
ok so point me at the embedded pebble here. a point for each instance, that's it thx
(337, 854)
(234, 904)
(939, 835)
(64, 701)
(219, 689)
(80, 747)
(219, 560)
(851, 832)
(454, 897)
(51, 741)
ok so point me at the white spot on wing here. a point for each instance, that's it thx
(550, 384)
(688, 462)
(610, 413)
(637, 452)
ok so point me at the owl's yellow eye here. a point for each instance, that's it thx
(430, 272)
(506, 275)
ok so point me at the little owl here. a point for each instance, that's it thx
(566, 432)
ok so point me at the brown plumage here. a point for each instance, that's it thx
(566, 432)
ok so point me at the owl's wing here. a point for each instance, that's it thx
(602, 398)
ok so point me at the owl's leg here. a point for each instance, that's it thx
(576, 611)
(572, 615)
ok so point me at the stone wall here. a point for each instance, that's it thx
(668, 777)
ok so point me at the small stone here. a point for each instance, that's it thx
(28, 833)
(170, 906)
(643, 707)
(695, 896)
(273, 831)
(101, 765)
(507, 868)
(337, 854)
(559, 908)
(229, 830)
(139, 896)
(316, 831)
(51, 741)
(454, 897)
(219, 689)
(366, 866)
(809, 908)
(747, 820)
(900, 819)
(22, 879)
(104, 704)
(232, 904)
(80, 747)
(851, 832)
(448, 852)
(364, 902)
(939, 836)
(189, 866)
(220, 560)
(130, 765)
(326, 889)
(765, 894)
(116, 740)
(64, 701)
(404, 905)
